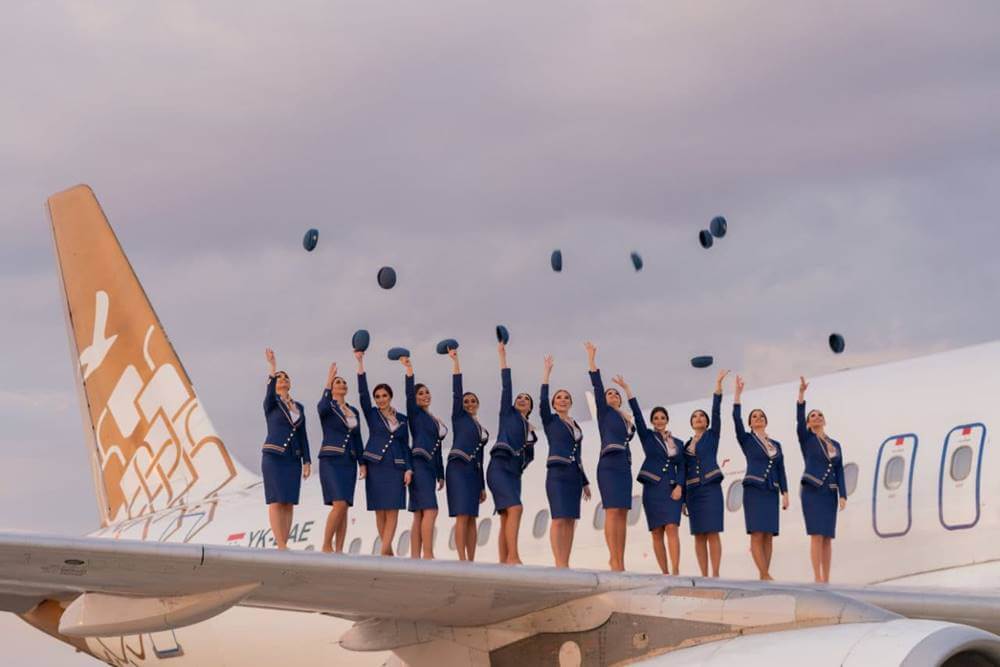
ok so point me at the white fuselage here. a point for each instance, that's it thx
(917, 524)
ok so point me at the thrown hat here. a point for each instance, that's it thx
(836, 343)
(387, 277)
(718, 226)
(396, 352)
(503, 336)
(310, 239)
(447, 345)
(360, 340)
(702, 362)
(705, 239)
(556, 260)
(636, 261)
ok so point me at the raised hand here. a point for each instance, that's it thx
(332, 374)
(455, 367)
(407, 365)
(718, 381)
(620, 381)
(502, 353)
(548, 364)
(740, 384)
(360, 356)
(803, 385)
(591, 355)
(269, 355)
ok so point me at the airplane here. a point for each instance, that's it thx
(182, 569)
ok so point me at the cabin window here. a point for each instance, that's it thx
(403, 543)
(961, 463)
(540, 524)
(850, 478)
(734, 497)
(894, 469)
(635, 512)
(355, 547)
(484, 532)
(377, 546)
(451, 539)
(599, 517)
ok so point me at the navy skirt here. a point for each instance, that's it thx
(614, 480)
(563, 486)
(760, 509)
(660, 509)
(461, 481)
(423, 488)
(819, 507)
(338, 475)
(282, 478)
(384, 487)
(705, 508)
(503, 476)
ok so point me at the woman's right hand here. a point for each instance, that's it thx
(332, 374)
(407, 477)
(360, 356)
(407, 365)
(502, 353)
(548, 362)
(620, 381)
(269, 355)
(803, 385)
(362, 471)
(740, 384)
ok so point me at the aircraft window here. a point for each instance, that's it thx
(635, 512)
(961, 463)
(377, 546)
(541, 523)
(734, 497)
(484, 532)
(894, 469)
(851, 477)
(451, 539)
(355, 547)
(599, 517)
(403, 545)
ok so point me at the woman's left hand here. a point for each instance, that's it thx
(362, 471)
(440, 484)
(843, 504)
(306, 470)
(784, 501)
(586, 492)
(407, 477)
(482, 497)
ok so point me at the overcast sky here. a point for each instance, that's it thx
(855, 151)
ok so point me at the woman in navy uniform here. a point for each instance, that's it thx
(763, 481)
(386, 456)
(427, 432)
(565, 480)
(614, 468)
(662, 477)
(464, 473)
(513, 451)
(703, 488)
(823, 491)
(285, 458)
(339, 457)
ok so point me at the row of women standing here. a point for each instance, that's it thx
(404, 452)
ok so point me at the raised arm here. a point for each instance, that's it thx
(800, 414)
(411, 390)
(741, 432)
(544, 409)
(716, 426)
(506, 383)
(456, 386)
(363, 394)
(324, 402)
(271, 395)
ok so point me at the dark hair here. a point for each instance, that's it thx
(418, 386)
(659, 408)
(750, 416)
(691, 420)
(277, 373)
(382, 385)
(557, 393)
(470, 393)
(530, 400)
(614, 390)
(337, 377)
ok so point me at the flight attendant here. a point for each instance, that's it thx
(285, 458)
(428, 432)
(565, 480)
(513, 451)
(703, 489)
(340, 458)
(614, 468)
(464, 474)
(386, 456)
(662, 477)
(823, 490)
(763, 481)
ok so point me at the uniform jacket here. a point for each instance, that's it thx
(425, 430)
(703, 468)
(822, 470)
(564, 446)
(284, 436)
(763, 471)
(615, 431)
(514, 434)
(659, 464)
(383, 442)
(339, 440)
(469, 437)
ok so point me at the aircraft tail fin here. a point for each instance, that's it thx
(151, 444)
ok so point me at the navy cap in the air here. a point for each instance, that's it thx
(503, 336)
(702, 362)
(396, 352)
(836, 343)
(447, 344)
(718, 226)
(310, 240)
(387, 277)
(705, 239)
(636, 261)
(557, 260)
(360, 340)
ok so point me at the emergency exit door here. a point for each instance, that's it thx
(893, 492)
(958, 479)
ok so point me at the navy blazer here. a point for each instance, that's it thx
(659, 464)
(763, 471)
(515, 437)
(615, 431)
(821, 469)
(425, 430)
(284, 437)
(564, 446)
(382, 441)
(339, 439)
(469, 435)
(703, 468)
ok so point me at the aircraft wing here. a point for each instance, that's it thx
(116, 587)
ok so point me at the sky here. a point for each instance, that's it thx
(854, 150)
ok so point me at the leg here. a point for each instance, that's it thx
(427, 533)
(471, 535)
(389, 531)
(564, 541)
(674, 547)
(328, 531)
(768, 551)
(715, 552)
(287, 510)
(701, 552)
(502, 548)
(513, 527)
(341, 532)
(827, 558)
(460, 528)
(614, 535)
(555, 531)
(659, 549)
(380, 522)
(336, 525)
(759, 557)
(816, 556)
(415, 534)
(620, 539)
(276, 519)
